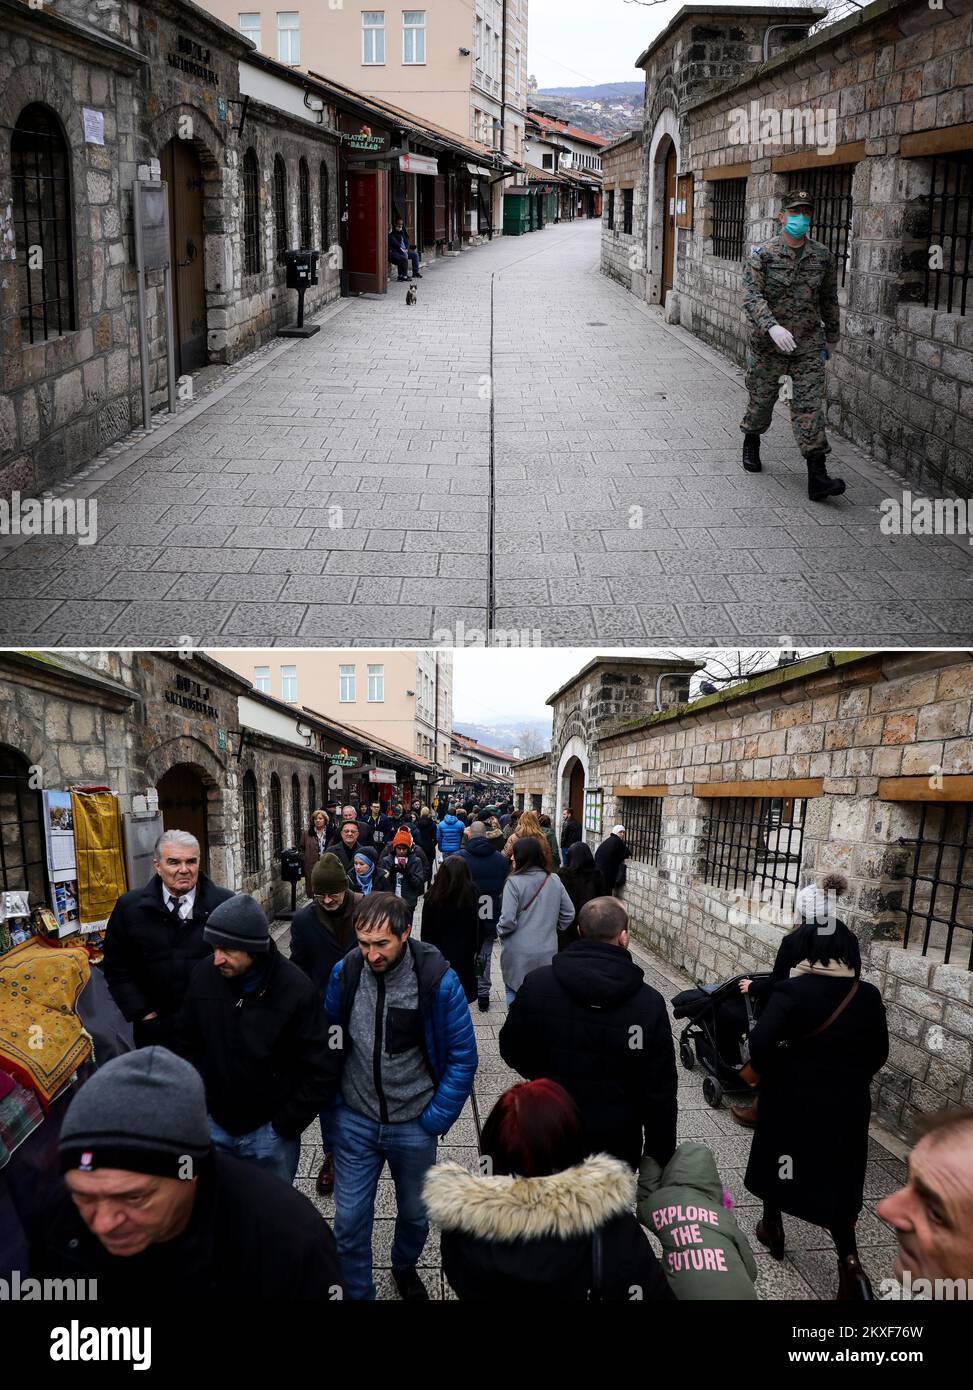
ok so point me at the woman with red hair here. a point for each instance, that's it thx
(540, 1220)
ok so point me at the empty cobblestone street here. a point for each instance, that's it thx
(362, 488)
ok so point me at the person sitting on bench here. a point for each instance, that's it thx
(400, 252)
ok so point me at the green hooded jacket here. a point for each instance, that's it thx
(706, 1255)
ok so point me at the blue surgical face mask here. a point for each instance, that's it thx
(797, 224)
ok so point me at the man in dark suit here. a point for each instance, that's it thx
(155, 937)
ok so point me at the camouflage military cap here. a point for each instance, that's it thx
(800, 198)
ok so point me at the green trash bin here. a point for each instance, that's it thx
(516, 212)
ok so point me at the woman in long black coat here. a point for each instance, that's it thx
(450, 920)
(815, 1064)
(584, 881)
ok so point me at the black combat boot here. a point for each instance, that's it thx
(819, 485)
(751, 453)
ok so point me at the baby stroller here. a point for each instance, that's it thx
(716, 1034)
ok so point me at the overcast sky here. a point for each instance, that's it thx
(499, 685)
(578, 43)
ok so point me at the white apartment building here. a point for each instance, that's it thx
(403, 697)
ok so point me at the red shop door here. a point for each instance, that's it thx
(367, 233)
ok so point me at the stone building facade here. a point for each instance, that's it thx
(621, 258)
(855, 762)
(138, 721)
(97, 96)
(532, 784)
(875, 112)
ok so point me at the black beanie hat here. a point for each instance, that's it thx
(239, 924)
(144, 1112)
(328, 875)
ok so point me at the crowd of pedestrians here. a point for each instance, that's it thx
(179, 1157)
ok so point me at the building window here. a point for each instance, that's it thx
(950, 204)
(611, 209)
(250, 28)
(251, 839)
(831, 224)
(642, 819)
(940, 884)
(297, 829)
(413, 36)
(304, 202)
(280, 209)
(324, 191)
(376, 684)
(288, 684)
(288, 37)
(729, 217)
(755, 841)
(312, 797)
(547, 161)
(373, 36)
(593, 806)
(23, 860)
(628, 203)
(276, 816)
(261, 679)
(251, 214)
(44, 265)
(346, 685)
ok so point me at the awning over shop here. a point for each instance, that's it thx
(478, 171)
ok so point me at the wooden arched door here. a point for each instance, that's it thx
(183, 803)
(183, 175)
(576, 791)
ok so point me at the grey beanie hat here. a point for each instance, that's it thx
(239, 924)
(144, 1112)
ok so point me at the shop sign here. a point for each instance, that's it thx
(359, 136)
(193, 59)
(190, 695)
(418, 164)
(381, 774)
(344, 759)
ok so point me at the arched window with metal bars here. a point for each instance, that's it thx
(251, 834)
(252, 258)
(304, 200)
(276, 816)
(42, 210)
(297, 828)
(324, 198)
(280, 209)
(312, 797)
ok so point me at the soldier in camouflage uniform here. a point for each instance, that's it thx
(791, 287)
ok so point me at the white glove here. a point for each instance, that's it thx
(782, 339)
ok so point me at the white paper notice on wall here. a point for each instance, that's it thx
(94, 126)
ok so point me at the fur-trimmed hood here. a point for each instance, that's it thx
(562, 1206)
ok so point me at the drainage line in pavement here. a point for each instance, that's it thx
(476, 1117)
(491, 506)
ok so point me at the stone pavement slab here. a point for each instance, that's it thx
(528, 428)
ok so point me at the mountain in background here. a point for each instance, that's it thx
(611, 109)
(510, 734)
(606, 91)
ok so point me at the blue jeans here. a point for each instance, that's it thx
(483, 981)
(511, 996)
(262, 1146)
(360, 1147)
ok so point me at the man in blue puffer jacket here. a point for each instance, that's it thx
(449, 834)
(402, 1024)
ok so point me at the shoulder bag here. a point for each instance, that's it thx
(752, 1078)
